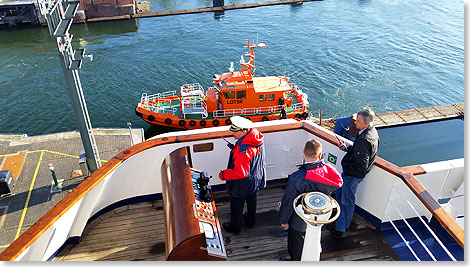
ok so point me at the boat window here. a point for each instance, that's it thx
(221, 85)
(262, 98)
(270, 97)
(229, 94)
(241, 94)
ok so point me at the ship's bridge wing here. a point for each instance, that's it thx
(270, 84)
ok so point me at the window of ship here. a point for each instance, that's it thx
(229, 94)
(270, 97)
(221, 85)
(262, 98)
(241, 94)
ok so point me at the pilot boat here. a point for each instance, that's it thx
(234, 93)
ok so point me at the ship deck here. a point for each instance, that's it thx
(136, 233)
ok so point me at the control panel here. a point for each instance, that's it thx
(205, 212)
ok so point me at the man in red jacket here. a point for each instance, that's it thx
(312, 176)
(244, 174)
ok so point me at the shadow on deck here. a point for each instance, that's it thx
(136, 233)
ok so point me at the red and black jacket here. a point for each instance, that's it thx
(245, 168)
(314, 176)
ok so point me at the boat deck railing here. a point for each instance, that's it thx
(151, 98)
(224, 113)
(194, 105)
(191, 89)
(409, 241)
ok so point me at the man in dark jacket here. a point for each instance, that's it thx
(314, 175)
(244, 173)
(356, 164)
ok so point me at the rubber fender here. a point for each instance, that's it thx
(228, 122)
(304, 115)
(215, 122)
(182, 123)
(265, 118)
(203, 123)
(167, 121)
(298, 116)
(192, 123)
(151, 118)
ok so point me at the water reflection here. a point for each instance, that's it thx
(296, 7)
(422, 143)
(114, 27)
(38, 39)
(219, 14)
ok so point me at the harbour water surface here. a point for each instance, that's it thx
(388, 55)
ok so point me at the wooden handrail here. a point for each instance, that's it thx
(454, 229)
(47, 220)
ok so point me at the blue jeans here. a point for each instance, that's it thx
(346, 198)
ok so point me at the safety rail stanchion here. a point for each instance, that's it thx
(427, 227)
(413, 231)
(407, 243)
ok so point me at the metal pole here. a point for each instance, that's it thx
(130, 132)
(75, 92)
(312, 243)
(51, 168)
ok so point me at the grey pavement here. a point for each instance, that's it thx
(60, 149)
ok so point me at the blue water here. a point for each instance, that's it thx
(422, 143)
(387, 55)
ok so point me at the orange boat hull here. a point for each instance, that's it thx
(173, 121)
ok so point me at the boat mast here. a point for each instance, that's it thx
(249, 69)
(59, 14)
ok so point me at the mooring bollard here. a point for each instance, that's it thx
(57, 184)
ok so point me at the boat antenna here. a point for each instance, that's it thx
(230, 145)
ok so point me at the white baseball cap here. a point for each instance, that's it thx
(240, 123)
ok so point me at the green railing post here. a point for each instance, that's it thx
(51, 168)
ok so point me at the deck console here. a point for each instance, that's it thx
(192, 228)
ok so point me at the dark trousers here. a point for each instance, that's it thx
(236, 210)
(295, 244)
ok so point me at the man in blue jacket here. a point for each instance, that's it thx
(357, 162)
(244, 173)
(314, 175)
